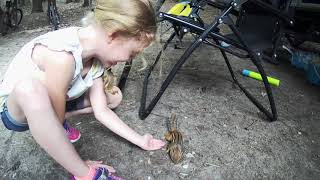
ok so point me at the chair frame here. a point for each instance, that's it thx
(205, 36)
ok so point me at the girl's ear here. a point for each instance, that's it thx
(111, 36)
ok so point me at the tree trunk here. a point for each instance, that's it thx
(21, 2)
(85, 3)
(2, 25)
(1, 20)
(37, 6)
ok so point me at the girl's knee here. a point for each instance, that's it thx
(114, 100)
(34, 91)
(30, 88)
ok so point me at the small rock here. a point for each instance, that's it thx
(193, 152)
(299, 133)
(182, 175)
(149, 161)
(189, 155)
(185, 166)
(210, 164)
(224, 125)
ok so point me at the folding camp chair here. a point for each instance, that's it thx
(209, 34)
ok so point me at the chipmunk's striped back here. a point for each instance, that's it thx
(174, 137)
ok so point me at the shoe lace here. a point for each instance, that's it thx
(68, 128)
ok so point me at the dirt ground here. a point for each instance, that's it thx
(225, 136)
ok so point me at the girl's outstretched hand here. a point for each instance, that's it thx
(150, 143)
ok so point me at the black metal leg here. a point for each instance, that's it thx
(124, 75)
(145, 111)
(272, 116)
(277, 42)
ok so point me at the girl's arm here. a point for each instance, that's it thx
(108, 118)
(85, 110)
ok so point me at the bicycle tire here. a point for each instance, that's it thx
(16, 18)
(5, 23)
(55, 22)
(58, 17)
(53, 18)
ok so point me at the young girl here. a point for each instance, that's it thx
(63, 65)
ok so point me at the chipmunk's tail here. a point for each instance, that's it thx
(172, 122)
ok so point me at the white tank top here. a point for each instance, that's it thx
(22, 66)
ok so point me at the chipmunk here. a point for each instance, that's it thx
(109, 80)
(174, 137)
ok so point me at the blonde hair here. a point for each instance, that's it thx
(128, 18)
(109, 81)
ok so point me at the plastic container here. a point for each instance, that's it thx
(309, 62)
(301, 59)
(313, 72)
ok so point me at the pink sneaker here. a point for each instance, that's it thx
(98, 174)
(72, 133)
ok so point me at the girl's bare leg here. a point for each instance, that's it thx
(30, 102)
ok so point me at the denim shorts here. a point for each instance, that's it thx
(10, 123)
